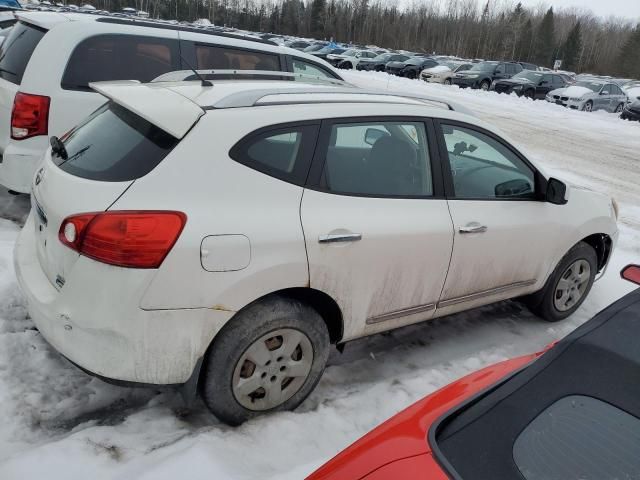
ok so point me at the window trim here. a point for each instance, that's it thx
(314, 180)
(176, 62)
(540, 182)
(298, 176)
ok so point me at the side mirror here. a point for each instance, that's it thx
(513, 188)
(372, 135)
(556, 192)
(631, 273)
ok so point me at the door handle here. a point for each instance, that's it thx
(340, 237)
(473, 227)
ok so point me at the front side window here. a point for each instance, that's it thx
(212, 57)
(119, 57)
(378, 159)
(306, 68)
(113, 145)
(482, 167)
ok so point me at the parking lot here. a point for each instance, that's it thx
(58, 419)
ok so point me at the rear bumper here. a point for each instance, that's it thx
(95, 320)
(19, 162)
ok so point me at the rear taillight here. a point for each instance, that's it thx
(631, 273)
(134, 239)
(30, 116)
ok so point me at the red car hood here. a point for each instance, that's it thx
(399, 448)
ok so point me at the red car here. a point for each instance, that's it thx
(570, 412)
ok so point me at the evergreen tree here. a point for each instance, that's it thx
(545, 40)
(523, 48)
(629, 57)
(572, 48)
(318, 12)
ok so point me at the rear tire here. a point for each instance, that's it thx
(268, 358)
(568, 285)
(619, 108)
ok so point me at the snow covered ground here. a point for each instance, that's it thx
(58, 422)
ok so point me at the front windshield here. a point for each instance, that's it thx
(483, 67)
(382, 57)
(528, 75)
(593, 86)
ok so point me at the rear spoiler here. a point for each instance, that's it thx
(160, 106)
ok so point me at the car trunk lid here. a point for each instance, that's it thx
(91, 166)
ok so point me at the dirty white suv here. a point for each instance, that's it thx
(222, 238)
(49, 59)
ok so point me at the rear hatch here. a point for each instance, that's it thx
(92, 166)
(15, 52)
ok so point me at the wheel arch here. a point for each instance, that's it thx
(602, 244)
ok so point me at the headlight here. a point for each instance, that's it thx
(615, 208)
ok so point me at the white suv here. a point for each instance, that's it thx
(48, 60)
(223, 237)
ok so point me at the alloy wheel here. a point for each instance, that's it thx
(572, 285)
(272, 369)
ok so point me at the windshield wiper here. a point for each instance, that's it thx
(58, 148)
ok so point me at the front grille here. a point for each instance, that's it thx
(564, 99)
(556, 97)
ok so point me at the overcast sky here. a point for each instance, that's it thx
(604, 8)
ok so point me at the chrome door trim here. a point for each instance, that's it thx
(340, 237)
(485, 293)
(405, 312)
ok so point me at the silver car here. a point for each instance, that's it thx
(589, 95)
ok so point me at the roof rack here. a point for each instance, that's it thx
(189, 75)
(251, 98)
(207, 30)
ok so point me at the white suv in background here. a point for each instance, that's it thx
(223, 237)
(49, 58)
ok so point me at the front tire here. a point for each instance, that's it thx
(268, 358)
(588, 107)
(619, 108)
(568, 285)
(447, 81)
(485, 85)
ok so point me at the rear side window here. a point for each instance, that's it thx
(17, 49)
(224, 58)
(120, 57)
(113, 145)
(284, 153)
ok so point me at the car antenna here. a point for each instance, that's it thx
(203, 81)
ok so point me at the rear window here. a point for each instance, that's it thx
(579, 437)
(120, 57)
(113, 145)
(17, 49)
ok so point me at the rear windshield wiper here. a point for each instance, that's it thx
(58, 148)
